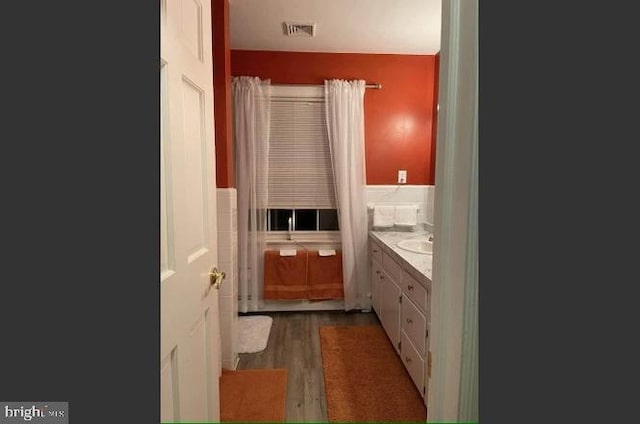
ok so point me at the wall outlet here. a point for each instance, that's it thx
(402, 176)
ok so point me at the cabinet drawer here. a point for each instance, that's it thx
(392, 268)
(414, 325)
(412, 288)
(375, 251)
(413, 362)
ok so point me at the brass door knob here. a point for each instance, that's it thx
(216, 277)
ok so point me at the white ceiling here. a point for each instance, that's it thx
(342, 26)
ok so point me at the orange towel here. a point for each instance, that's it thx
(285, 276)
(324, 276)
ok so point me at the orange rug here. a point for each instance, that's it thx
(365, 379)
(253, 395)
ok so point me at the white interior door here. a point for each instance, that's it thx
(189, 322)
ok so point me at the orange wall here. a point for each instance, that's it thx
(222, 93)
(398, 118)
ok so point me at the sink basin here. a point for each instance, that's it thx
(417, 245)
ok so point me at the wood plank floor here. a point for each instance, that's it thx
(294, 344)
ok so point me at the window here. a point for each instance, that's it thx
(278, 219)
(328, 220)
(302, 220)
(300, 173)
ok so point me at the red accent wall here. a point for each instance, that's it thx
(222, 93)
(398, 118)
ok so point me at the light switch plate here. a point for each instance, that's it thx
(402, 176)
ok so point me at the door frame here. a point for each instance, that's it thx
(453, 387)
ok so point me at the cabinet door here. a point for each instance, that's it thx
(375, 250)
(390, 308)
(414, 363)
(376, 273)
(414, 324)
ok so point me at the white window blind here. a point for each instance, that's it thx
(300, 174)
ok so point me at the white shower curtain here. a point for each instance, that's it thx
(251, 113)
(345, 127)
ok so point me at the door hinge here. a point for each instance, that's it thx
(400, 299)
(429, 364)
(424, 391)
(399, 345)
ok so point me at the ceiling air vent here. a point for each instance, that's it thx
(292, 29)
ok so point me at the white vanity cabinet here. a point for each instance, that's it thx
(390, 298)
(401, 299)
(415, 329)
(375, 255)
(390, 295)
(386, 292)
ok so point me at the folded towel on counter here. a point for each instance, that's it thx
(288, 252)
(327, 252)
(406, 215)
(383, 215)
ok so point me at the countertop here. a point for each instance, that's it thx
(418, 265)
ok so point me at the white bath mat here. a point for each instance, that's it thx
(253, 333)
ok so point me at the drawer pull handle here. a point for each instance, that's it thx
(382, 277)
(378, 271)
(409, 321)
(407, 359)
(375, 250)
(410, 286)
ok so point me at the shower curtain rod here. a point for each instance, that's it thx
(368, 85)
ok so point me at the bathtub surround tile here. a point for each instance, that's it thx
(225, 239)
(228, 263)
(225, 309)
(234, 338)
(227, 285)
(234, 252)
(225, 255)
(225, 220)
(225, 320)
(234, 221)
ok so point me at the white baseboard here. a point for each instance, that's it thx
(301, 305)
